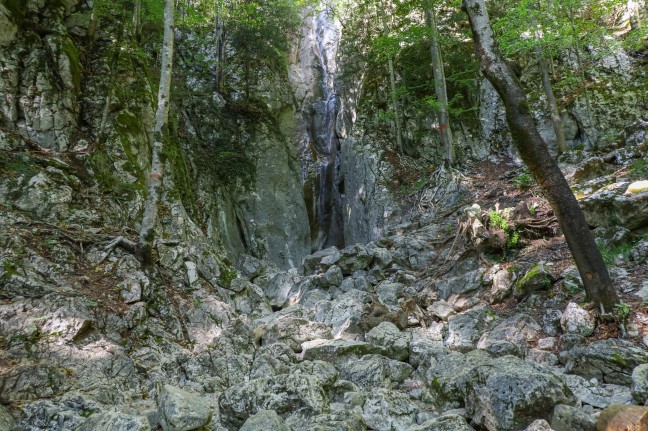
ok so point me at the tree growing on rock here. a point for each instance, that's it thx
(535, 154)
(147, 230)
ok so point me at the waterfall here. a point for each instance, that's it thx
(324, 154)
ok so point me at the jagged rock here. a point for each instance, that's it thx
(610, 361)
(502, 285)
(349, 420)
(272, 359)
(389, 293)
(386, 410)
(286, 394)
(394, 341)
(117, 421)
(640, 383)
(575, 320)
(375, 371)
(332, 277)
(551, 322)
(382, 258)
(568, 418)
(441, 309)
(536, 278)
(325, 372)
(464, 329)
(449, 374)
(337, 351)
(344, 313)
(541, 357)
(264, 420)
(283, 287)
(539, 425)
(509, 393)
(293, 331)
(639, 252)
(462, 283)
(510, 337)
(609, 206)
(447, 422)
(425, 344)
(314, 262)
(592, 393)
(182, 411)
(30, 382)
(355, 258)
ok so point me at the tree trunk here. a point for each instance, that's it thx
(137, 19)
(440, 85)
(581, 72)
(535, 155)
(392, 85)
(149, 219)
(551, 101)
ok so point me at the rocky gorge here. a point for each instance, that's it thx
(305, 285)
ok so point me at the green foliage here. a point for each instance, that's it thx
(523, 181)
(612, 254)
(639, 170)
(498, 221)
(622, 310)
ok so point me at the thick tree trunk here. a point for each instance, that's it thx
(440, 85)
(149, 219)
(535, 155)
(392, 85)
(556, 121)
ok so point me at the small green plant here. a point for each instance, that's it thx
(532, 209)
(497, 220)
(611, 254)
(523, 181)
(639, 170)
(622, 310)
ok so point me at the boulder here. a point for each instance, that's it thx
(609, 361)
(464, 329)
(182, 411)
(285, 394)
(568, 418)
(539, 425)
(640, 383)
(6, 421)
(386, 410)
(264, 420)
(444, 423)
(511, 336)
(610, 206)
(337, 351)
(575, 320)
(394, 341)
(115, 421)
(509, 394)
(375, 371)
(536, 278)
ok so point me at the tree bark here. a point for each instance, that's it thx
(551, 101)
(440, 85)
(533, 151)
(392, 85)
(149, 219)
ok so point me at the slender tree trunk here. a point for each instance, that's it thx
(551, 101)
(581, 71)
(535, 155)
(149, 219)
(392, 85)
(137, 19)
(440, 85)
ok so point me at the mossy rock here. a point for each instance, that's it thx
(537, 278)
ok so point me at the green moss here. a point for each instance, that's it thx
(530, 275)
(16, 165)
(227, 275)
(639, 170)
